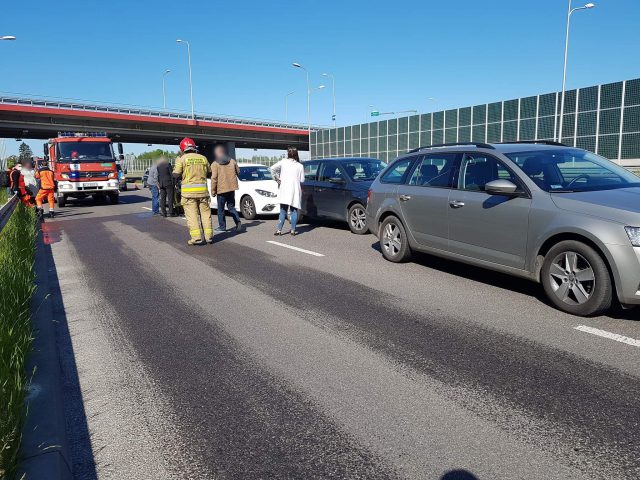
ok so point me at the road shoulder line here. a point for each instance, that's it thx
(610, 335)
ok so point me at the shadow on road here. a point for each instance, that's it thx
(500, 280)
(78, 437)
(458, 475)
(222, 236)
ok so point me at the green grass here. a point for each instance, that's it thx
(4, 196)
(17, 251)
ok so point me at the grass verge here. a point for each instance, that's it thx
(17, 251)
(4, 196)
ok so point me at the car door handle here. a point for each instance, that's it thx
(404, 198)
(456, 204)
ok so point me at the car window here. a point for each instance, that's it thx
(571, 170)
(330, 170)
(434, 170)
(398, 171)
(311, 171)
(252, 174)
(363, 170)
(478, 169)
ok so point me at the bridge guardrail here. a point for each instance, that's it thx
(6, 210)
(134, 110)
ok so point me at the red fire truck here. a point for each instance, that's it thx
(83, 164)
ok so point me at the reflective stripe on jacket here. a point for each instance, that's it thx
(194, 170)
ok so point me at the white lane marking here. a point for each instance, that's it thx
(297, 249)
(611, 336)
(147, 208)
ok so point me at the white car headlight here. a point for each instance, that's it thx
(634, 235)
(64, 175)
(264, 193)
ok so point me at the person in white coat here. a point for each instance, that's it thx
(289, 173)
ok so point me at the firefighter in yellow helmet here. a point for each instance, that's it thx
(193, 170)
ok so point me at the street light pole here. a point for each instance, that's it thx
(564, 70)
(193, 115)
(286, 106)
(164, 95)
(297, 65)
(333, 89)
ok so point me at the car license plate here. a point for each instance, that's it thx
(89, 185)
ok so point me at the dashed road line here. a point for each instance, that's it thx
(297, 249)
(611, 336)
(147, 208)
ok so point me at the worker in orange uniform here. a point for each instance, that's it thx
(18, 186)
(47, 190)
(193, 170)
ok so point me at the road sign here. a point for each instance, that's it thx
(375, 113)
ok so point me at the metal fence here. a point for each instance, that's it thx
(6, 210)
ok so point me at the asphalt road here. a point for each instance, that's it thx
(246, 359)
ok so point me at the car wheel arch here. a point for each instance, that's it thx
(578, 237)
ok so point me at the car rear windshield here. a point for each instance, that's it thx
(572, 170)
(85, 152)
(252, 174)
(363, 170)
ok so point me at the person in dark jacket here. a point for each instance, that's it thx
(166, 186)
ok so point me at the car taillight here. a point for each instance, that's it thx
(369, 193)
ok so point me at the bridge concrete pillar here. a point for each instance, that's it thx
(231, 149)
(206, 149)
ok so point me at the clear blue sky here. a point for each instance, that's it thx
(394, 55)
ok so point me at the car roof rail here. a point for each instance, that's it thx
(453, 144)
(541, 142)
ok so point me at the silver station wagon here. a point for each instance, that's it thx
(557, 215)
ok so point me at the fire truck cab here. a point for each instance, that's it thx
(83, 164)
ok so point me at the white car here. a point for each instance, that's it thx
(257, 191)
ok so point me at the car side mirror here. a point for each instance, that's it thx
(501, 187)
(338, 180)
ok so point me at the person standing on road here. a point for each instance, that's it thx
(47, 190)
(289, 173)
(193, 169)
(152, 182)
(165, 184)
(224, 183)
(17, 185)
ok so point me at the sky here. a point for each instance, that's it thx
(392, 55)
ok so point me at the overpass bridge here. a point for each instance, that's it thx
(41, 118)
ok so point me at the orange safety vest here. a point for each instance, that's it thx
(21, 184)
(47, 181)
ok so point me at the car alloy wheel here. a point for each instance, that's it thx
(572, 278)
(358, 219)
(392, 239)
(248, 207)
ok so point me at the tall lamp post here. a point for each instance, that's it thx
(193, 115)
(333, 90)
(297, 65)
(566, 52)
(286, 105)
(164, 95)
(7, 37)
